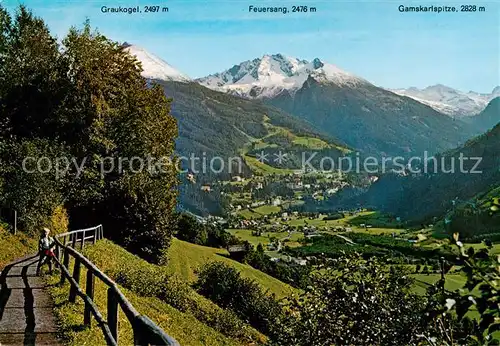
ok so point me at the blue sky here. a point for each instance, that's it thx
(369, 38)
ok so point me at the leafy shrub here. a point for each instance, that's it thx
(297, 276)
(335, 216)
(59, 220)
(223, 285)
(207, 234)
(180, 295)
(479, 293)
(354, 302)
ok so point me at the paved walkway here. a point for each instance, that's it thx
(26, 315)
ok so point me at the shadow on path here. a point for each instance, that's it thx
(26, 310)
(5, 291)
(29, 332)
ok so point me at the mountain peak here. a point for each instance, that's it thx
(274, 56)
(450, 101)
(333, 74)
(317, 63)
(440, 87)
(274, 73)
(154, 67)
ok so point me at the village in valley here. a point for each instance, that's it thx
(267, 210)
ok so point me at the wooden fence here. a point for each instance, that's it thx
(145, 331)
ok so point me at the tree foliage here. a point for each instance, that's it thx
(210, 234)
(356, 303)
(480, 293)
(224, 285)
(295, 275)
(85, 100)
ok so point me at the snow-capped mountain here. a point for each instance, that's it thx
(372, 119)
(155, 67)
(450, 101)
(272, 74)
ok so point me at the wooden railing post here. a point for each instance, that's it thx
(83, 241)
(65, 264)
(95, 235)
(89, 291)
(73, 240)
(146, 333)
(113, 313)
(15, 222)
(76, 277)
(58, 254)
(138, 339)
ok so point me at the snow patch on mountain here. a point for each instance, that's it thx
(450, 101)
(272, 74)
(154, 67)
(331, 73)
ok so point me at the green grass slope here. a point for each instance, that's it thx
(474, 220)
(198, 322)
(13, 246)
(184, 327)
(185, 258)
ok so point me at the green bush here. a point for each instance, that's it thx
(480, 294)
(335, 216)
(206, 234)
(354, 302)
(143, 280)
(224, 285)
(59, 221)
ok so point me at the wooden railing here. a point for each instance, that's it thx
(145, 331)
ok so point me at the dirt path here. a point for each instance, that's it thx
(26, 315)
(346, 239)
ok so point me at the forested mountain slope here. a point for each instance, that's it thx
(373, 119)
(419, 196)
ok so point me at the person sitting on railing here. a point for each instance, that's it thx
(45, 249)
